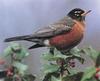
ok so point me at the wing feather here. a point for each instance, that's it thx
(63, 25)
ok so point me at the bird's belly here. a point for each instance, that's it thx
(68, 39)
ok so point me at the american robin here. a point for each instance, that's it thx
(62, 35)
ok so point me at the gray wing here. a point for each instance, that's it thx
(60, 27)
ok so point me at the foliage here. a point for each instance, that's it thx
(16, 70)
(62, 65)
(58, 67)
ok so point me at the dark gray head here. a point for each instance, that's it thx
(78, 14)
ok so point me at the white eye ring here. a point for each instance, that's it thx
(75, 11)
(76, 14)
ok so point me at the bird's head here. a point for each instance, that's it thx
(78, 14)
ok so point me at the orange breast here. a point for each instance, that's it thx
(68, 39)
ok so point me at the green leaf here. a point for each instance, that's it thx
(75, 77)
(23, 52)
(8, 79)
(50, 57)
(92, 79)
(80, 59)
(75, 50)
(60, 56)
(7, 51)
(28, 77)
(98, 61)
(72, 71)
(89, 73)
(22, 68)
(55, 79)
(91, 52)
(47, 77)
(50, 68)
(77, 55)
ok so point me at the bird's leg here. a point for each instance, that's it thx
(52, 50)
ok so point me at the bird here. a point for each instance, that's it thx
(63, 35)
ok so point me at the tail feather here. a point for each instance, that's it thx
(36, 46)
(17, 38)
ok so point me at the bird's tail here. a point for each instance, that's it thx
(18, 38)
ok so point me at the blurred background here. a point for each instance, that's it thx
(22, 17)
